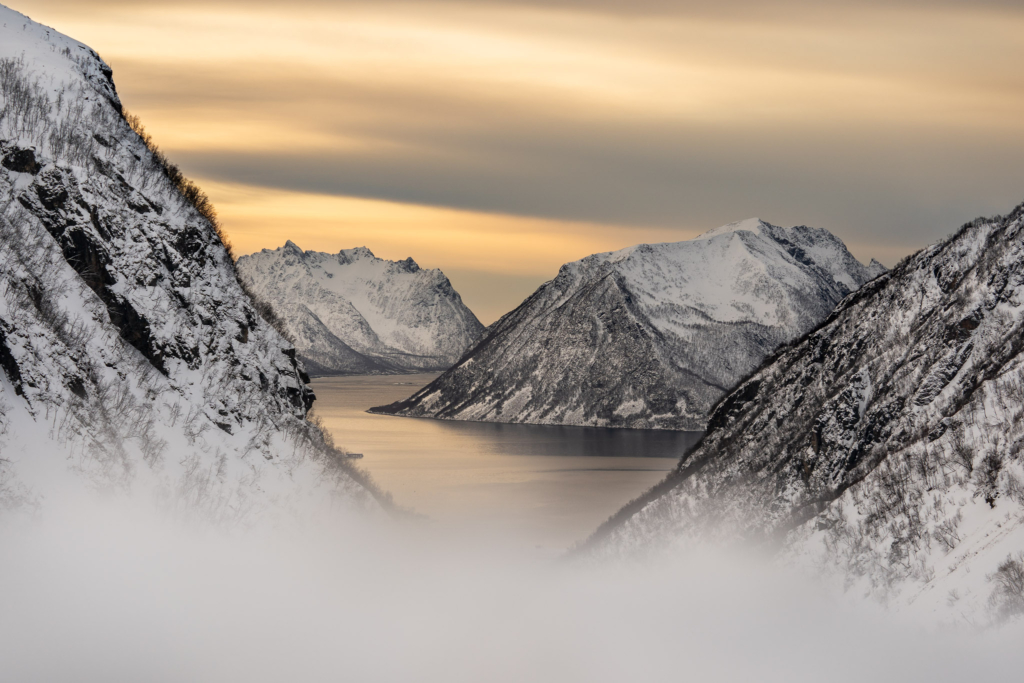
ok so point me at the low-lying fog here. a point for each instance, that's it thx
(112, 591)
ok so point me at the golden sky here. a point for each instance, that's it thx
(497, 140)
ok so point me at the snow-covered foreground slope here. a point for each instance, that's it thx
(886, 446)
(353, 313)
(130, 355)
(650, 336)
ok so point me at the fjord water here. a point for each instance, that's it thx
(548, 486)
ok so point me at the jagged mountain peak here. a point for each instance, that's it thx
(754, 225)
(876, 268)
(357, 253)
(753, 242)
(648, 336)
(344, 257)
(355, 313)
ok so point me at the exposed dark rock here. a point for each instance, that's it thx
(134, 328)
(21, 161)
(9, 365)
(77, 387)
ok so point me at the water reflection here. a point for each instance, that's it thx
(515, 439)
(548, 485)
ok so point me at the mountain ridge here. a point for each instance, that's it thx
(632, 338)
(886, 445)
(131, 357)
(354, 313)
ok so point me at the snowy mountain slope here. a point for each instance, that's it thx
(353, 313)
(131, 356)
(650, 336)
(887, 445)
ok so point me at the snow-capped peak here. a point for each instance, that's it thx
(352, 312)
(754, 225)
(352, 255)
(647, 336)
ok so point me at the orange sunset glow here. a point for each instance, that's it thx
(499, 140)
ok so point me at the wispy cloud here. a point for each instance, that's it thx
(889, 123)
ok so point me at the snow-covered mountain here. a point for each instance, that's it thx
(887, 445)
(353, 313)
(650, 336)
(131, 356)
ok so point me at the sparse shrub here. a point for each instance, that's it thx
(192, 193)
(199, 200)
(1016, 450)
(1013, 486)
(26, 106)
(27, 113)
(946, 532)
(962, 453)
(13, 495)
(988, 477)
(266, 311)
(1008, 596)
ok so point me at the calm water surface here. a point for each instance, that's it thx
(547, 486)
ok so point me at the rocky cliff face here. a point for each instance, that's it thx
(353, 313)
(650, 336)
(130, 353)
(887, 445)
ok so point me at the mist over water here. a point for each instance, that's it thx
(108, 591)
(108, 588)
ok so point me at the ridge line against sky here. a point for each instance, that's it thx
(497, 140)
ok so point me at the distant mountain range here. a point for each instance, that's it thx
(353, 313)
(887, 445)
(650, 336)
